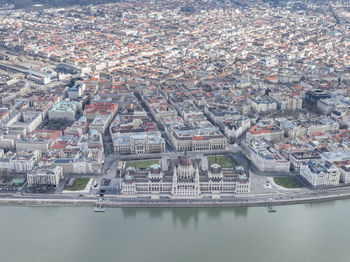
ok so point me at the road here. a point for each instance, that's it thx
(291, 197)
(112, 191)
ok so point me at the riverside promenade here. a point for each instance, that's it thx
(116, 201)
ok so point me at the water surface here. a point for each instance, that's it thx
(310, 232)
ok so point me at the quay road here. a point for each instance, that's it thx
(282, 198)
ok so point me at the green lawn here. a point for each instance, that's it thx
(80, 184)
(223, 161)
(286, 182)
(141, 164)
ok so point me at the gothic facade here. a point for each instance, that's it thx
(185, 179)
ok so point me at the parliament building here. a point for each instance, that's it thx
(185, 178)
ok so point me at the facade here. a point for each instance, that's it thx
(158, 106)
(32, 119)
(185, 179)
(293, 129)
(263, 104)
(309, 127)
(345, 174)
(234, 128)
(76, 90)
(320, 173)
(326, 106)
(79, 160)
(228, 119)
(193, 137)
(297, 158)
(335, 156)
(7, 139)
(64, 110)
(312, 97)
(288, 102)
(138, 143)
(133, 132)
(78, 128)
(265, 129)
(265, 157)
(322, 125)
(100, 108)
(184, 140)
(33, 144)
(20, 162)
(47, 176)
(100, 123)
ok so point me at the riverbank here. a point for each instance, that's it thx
(114, 202)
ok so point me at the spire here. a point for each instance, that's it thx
(174, 184)
(175, 175)
(196, 176)
(196, 182)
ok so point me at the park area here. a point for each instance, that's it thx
(55, 124)
(223, 161)
(141, 163)
(79, 184)
(287, 182)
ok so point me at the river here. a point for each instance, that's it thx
(308, 232)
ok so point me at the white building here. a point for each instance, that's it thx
(7, 139)
(159, 107)
(185, 179)
(293, 129)
(265, 157)
(138, 143)
(338, 103)
(193, 137)
(49, 176)
(234, 128)
(297, 158)
(288, 102)
(336, 156)
(76, 90)
(33, 144)
(81, 161)
(33, 119)
(100, 123)
(265, 129)
(320, 173)
(321, 125)
(20, 162)
(64, 110)
(263, 104)
(345, 174)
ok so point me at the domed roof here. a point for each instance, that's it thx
(155, 168)
(129, 177)
(215, 168)
(215, 165)
(185, 160)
